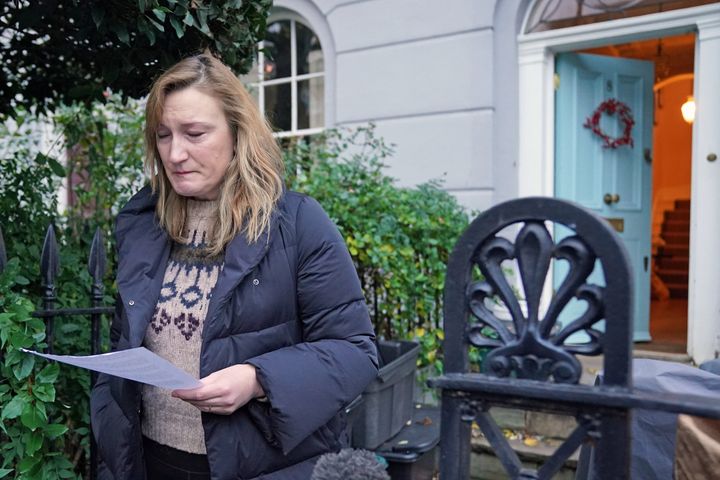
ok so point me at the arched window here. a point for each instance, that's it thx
(288, 80)
(553, 14)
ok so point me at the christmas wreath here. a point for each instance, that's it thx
(612, 107)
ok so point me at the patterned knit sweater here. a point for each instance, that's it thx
(176, 328)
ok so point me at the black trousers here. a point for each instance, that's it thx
(167, 463)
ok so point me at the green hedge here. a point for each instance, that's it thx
(399, 238)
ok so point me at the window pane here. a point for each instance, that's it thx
(277, 50)
(311, 103)
(553, 14)
(277, 106)
(309, 53)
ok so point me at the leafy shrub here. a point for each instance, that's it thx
(31, 416)
(105, 168)
(399, 238)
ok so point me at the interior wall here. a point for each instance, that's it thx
(672, 143)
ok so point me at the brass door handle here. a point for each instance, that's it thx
(610, 199)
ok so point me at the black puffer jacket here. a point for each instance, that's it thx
(291, 306)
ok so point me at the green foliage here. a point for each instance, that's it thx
(60, 51)
(105, 166)
(31, 428)
(29, 180)
(399, 238)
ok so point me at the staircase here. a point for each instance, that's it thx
(672, 258)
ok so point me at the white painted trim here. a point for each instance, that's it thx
(703, 300)
(536, 135)
(614, 31)
(317, 21)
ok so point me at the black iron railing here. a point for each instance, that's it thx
(531, 362)
(49, 269)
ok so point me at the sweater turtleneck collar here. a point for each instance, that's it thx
(200, 218)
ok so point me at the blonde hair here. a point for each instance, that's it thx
(254, 179)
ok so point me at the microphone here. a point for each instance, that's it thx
(349, 464)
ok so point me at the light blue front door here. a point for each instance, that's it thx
(613, 182)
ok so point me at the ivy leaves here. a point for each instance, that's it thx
(43, 414)
(26, 391)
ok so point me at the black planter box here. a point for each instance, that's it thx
(413, 453)
(388, 401)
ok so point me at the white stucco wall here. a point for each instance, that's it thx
(422, 71)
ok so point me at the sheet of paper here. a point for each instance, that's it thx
(139, 364)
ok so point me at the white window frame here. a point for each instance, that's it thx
(293, 79)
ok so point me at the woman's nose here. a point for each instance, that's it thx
(178, 152)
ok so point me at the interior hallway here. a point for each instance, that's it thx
(668, 327)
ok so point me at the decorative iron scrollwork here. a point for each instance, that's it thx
(469, 410)
(531, 347)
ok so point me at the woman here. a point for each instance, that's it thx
(235, 280)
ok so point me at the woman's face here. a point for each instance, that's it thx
(195, 143)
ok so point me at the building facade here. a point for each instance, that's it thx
(467, 91)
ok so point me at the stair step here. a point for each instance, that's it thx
(640, 352)
(673, 276)
(682, 204)
(679, 226)
(673, 263)
(675, 251)
(678, 292)
(683, 215)
(676, 238)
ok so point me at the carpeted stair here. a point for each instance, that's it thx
(672, 259)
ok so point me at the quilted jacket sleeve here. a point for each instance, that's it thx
(308, 383)
(110, 425)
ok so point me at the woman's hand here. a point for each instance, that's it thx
(224, 391)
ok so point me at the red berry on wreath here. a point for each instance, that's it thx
(612, 106)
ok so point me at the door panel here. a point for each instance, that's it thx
(585, 171)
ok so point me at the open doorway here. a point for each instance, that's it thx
(673, 58)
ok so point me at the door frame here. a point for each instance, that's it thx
(536, 67)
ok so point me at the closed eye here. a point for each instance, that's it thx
(195, 134)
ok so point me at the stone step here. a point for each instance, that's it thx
(535, 423)
(537, 435)
(639, 352)
(484, 465)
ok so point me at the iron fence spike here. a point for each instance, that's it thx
(49, 261)
(97, 261)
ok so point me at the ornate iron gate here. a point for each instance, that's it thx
(531, 363)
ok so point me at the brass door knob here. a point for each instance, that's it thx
(610, 199)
